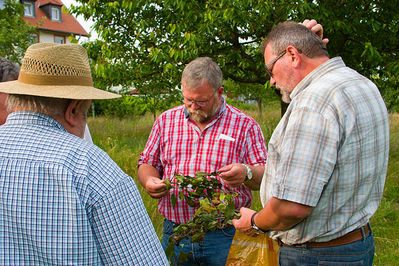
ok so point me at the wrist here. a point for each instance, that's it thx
(248, 173)
(254, 226)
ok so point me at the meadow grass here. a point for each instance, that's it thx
(124, 139)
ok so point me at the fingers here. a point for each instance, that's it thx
(156, 188)
(233, 174)
(244, 223)
(225, 169)
(316, 28)
(309, 23)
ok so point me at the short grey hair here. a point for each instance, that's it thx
(200, 70)
(8, 70)
(44, 105)
(293, 33)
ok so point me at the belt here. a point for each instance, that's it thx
(350, 237)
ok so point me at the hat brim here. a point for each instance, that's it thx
(74, 92)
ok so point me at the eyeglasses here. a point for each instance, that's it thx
(269, 67)
(199, 103)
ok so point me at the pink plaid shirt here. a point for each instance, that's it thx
(176, 144)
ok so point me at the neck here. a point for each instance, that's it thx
(311, 64)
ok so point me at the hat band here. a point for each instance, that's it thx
(35, 79)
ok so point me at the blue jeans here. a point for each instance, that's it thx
(212, 251)
(360, 252)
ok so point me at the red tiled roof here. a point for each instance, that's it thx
(55, 2)
(68, 23)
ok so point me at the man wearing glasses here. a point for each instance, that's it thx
(204, 134)
(327, 159)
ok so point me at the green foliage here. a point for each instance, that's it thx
(15, 33)
(385, 221)
(215, 209)
(146, 44)
(365, 34)
(131, 106)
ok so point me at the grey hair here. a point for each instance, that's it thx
(49, 106)
(293, 33)
(200, 70)
(8, 70)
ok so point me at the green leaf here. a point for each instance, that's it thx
(173, 199)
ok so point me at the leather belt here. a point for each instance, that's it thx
(350, 237)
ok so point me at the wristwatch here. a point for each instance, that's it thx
(249, 173)
(254, 227)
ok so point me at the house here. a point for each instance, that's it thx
(53, 24)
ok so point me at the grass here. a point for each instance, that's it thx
(124, 139)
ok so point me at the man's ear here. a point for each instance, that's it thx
(220, 91)
(294, 55)
(73, 115)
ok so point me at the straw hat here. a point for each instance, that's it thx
(56, 71)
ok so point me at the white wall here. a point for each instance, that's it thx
(49, 37)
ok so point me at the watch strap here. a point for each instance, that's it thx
(253, 225)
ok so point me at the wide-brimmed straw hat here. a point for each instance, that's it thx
(56, 71)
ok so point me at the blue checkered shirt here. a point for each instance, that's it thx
(64, 201)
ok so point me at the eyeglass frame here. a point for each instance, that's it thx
(271, 63)
(199, 103)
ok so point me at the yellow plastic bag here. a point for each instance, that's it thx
(248, 250)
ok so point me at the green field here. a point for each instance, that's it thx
(124, 139)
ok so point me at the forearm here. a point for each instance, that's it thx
(145, 172)
(281, 214)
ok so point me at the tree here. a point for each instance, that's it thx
(147, 43)
(15, 33)
(365, 34)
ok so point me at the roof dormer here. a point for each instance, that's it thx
(52, 9)
(29, 8)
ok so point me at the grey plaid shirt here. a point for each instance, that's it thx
(329, 151)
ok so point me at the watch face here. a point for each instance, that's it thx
(249, 172)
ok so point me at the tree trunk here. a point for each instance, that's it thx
(283, 105)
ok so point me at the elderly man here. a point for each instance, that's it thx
(327, 159)
(63, 200)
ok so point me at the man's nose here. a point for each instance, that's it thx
(195, 106)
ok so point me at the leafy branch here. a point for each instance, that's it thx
(215, 205)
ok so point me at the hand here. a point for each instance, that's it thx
(316, 28)
(233, 174)
(244, 223)
(156, 187)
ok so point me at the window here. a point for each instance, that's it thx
(55, 13)
(29, 10)
(59, 39)
(35, 38)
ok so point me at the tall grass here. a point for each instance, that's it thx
(124, 139)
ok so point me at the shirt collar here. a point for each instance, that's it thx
(27, 117)
(327, 66)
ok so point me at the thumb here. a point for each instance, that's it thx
(225, 168)
(235, 222)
